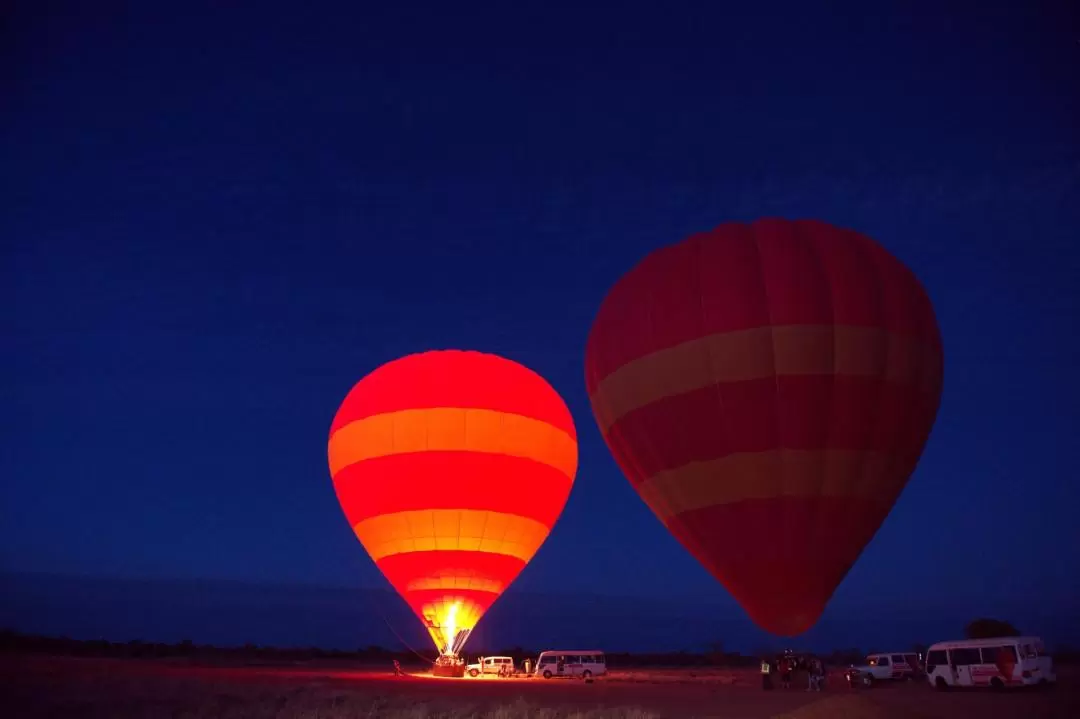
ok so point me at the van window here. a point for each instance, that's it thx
(881, 661)
(938, 656)
(547, 660)
(1028, 651)
(965, 656)
(990, 654)
(898, 659)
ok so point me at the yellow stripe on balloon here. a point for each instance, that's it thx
(450, 583)
(772, 474)
(764, 352)
(452, 530)
(452, 429)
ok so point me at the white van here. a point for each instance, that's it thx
(995, 663)
(885, 665)
(574, 663)
(491, 665)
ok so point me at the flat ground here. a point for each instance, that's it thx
(67, 687)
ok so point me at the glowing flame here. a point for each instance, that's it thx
(450, 627)
(450, 631)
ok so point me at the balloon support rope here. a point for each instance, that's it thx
(393, 631)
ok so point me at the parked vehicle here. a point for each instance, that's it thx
(575, 663)
(491, 665)
(885, 666)
(996, 663)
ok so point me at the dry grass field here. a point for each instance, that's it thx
(33, 687)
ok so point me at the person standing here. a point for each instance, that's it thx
(766, 677)
(785, 672)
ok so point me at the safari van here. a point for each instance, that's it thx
(574, 663)
(885, 665)
(491, 665)
(995, 663)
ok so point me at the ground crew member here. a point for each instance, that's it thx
(785, 672)
(766, 678)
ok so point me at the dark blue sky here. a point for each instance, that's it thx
(216, 220)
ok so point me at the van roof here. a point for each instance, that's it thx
(992, 642)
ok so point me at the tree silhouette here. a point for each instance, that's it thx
(984, 628)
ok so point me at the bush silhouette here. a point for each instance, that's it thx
(984, 628)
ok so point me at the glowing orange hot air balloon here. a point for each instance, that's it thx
(452, 467)
(768, 389)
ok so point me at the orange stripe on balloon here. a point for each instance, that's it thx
(450, 583)
(451, 529)
(452, 429)
(775, 474)
(765, 352)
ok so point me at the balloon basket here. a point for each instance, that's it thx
(454, 669)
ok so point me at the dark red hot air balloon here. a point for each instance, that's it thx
(767, 389)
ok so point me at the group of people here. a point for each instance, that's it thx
(787, 665)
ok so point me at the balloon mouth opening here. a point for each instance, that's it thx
(448, 636)
(788, 626)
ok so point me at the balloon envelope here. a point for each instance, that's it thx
(451, 468)
(767, 389)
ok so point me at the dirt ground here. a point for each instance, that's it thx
(68, 687)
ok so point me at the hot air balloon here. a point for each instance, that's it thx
(451, 468)
(767, 389)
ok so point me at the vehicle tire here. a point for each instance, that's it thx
(941, 685)
(586, 674)
(996, 684)
(547, 674)
(868, 681)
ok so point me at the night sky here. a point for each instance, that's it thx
(217, 219)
